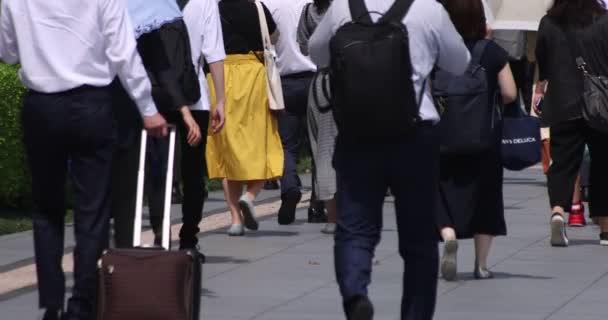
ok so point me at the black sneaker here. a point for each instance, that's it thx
(52, 314)
(196, 250)
(271, 185)
(359, 308)
(316, 212)
(604, 239)
(289, 204)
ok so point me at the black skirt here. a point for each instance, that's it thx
(470, 197)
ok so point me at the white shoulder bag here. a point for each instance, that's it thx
(273, 77)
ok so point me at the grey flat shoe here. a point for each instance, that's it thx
(236, 230)
(248, 212)
(329, 228)
(482, 273)
(449, 260)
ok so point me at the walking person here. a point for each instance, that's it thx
(202, 19)
(572, 29)
(162, 42)
(406, 160)
(67, 115)
(248, 151)
(470, 200)
(296, 72)
(322, 127)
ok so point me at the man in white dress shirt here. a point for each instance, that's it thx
(70, 51)
(296, 74)
(409, 166)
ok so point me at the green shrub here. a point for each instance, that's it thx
(14, 177)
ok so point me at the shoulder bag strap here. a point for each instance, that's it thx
(263, 26)
(359, 12)
(576, 51)
(182, 4)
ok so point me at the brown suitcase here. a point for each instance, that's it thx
(150, 283)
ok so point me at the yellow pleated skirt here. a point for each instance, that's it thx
(249, 146)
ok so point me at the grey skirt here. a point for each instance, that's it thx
(322, 131)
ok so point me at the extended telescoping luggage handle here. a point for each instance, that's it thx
(166, 234)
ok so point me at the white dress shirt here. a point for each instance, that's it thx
(433, 41)
(202, 18)
(62, 45)
(287, 13)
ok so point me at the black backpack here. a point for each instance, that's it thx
(372, 90)
(467, 120)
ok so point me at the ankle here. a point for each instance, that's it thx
(481, 265)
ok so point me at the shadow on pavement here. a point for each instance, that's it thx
(468, 276)
(224, 260)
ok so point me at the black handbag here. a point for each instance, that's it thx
(595, 91)
(595, 96)
(521, 143)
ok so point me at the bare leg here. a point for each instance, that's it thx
(254, 188)
(603, 222)
(483, 242)
(559, 210)
(448, 234)
(576, 197)
(232, 192)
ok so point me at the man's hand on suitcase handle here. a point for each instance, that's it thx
(156, 125)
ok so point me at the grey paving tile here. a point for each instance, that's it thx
(287, 272)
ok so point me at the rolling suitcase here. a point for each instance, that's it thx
(150, 283)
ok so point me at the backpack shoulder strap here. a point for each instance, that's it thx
(478, 51)
(182, 4)
(359, 12)
(398, 11)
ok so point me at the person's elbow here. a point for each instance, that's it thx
(462, 64)
(508, 87)
(509, 95)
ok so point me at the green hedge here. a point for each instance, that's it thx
(14, 177)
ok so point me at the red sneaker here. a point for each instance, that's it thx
(577, 216)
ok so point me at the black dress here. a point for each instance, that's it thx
(470, 197)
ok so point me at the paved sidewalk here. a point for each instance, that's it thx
(283, 273)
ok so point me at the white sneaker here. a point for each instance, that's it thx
(559, 238)
(248, 212)
(329, 228)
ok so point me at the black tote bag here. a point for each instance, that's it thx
(521, 143)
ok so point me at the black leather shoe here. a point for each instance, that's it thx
(287, 212)
(196, 250)
(316, 212)
(271, 185)
(359, 308)
(52, 314)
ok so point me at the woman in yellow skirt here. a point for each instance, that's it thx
(248, 151)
